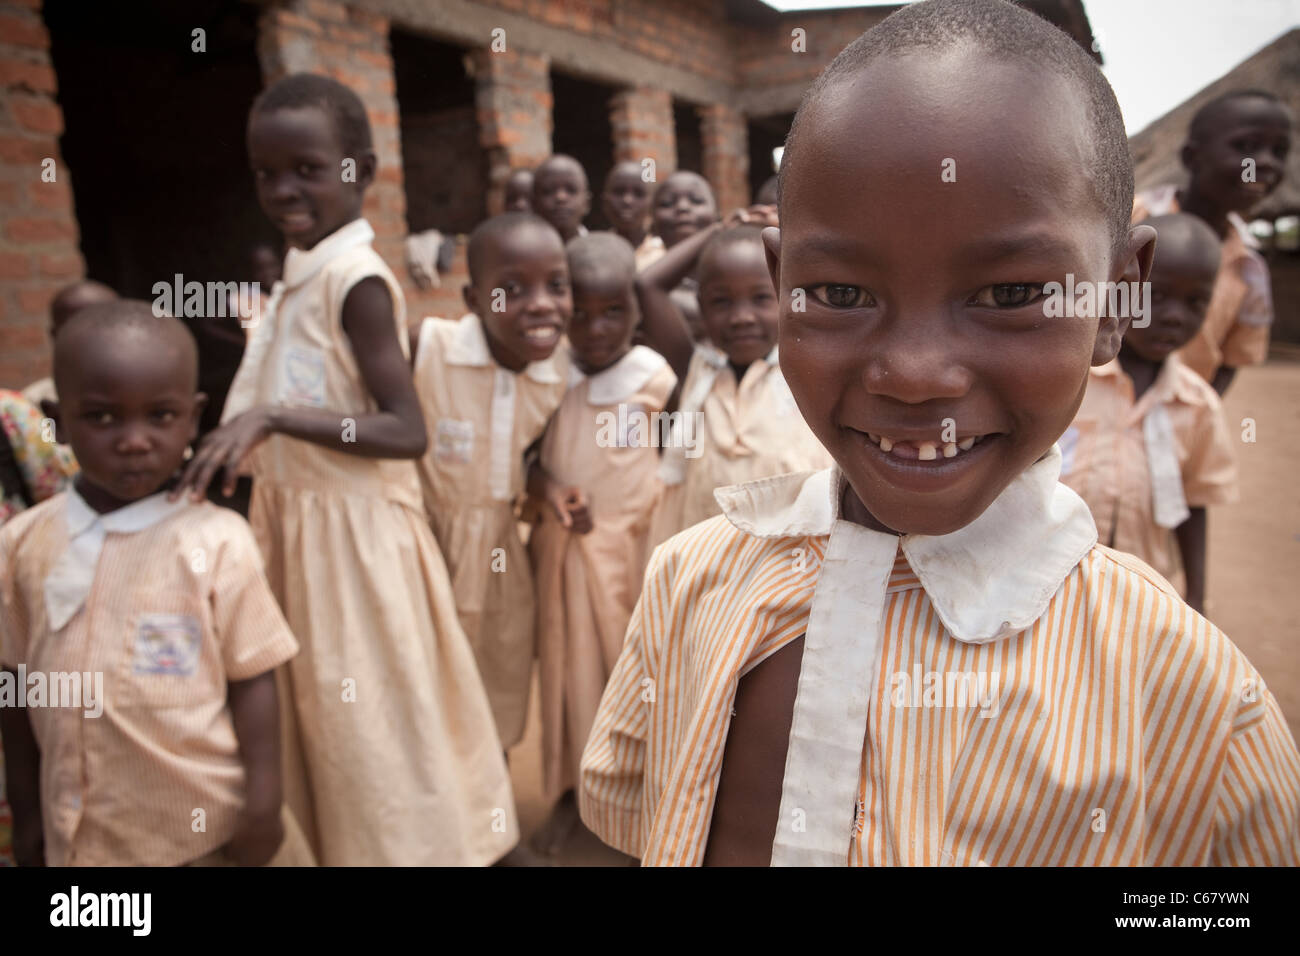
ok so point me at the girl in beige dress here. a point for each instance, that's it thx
(396, 759)
(487, 385)
(598, 474)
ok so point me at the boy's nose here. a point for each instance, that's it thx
(133, 440)
(915, 366)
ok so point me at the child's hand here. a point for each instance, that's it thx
(757, 215)
(570, 506)
(257, 837)
(224, 450)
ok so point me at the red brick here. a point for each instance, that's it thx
(38, 230)
(53, 196)
(371, 22)
(24, 31)
(67, 266)
(29, 335)
(27, 150)
(39, 116)
(284, 18)
(21, 74)
(15, 265)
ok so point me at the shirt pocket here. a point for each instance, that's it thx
(169, 657)
(453, 441)
(302, 377)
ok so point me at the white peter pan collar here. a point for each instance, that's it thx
(987, 581)
(69, 581)
(469, 347)
(300, 265)
(624, 377)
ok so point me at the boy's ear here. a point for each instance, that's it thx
(50, 409)
(470, 296)
(1139, 253)
(1188, 156)
(772, 251)
(367, 163)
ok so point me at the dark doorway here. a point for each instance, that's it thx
(766, 133)
(690, 142)
(155, 146)
(444, 167)
(580, 113)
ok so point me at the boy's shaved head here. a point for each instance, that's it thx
(73, 298)
(344, 107)
(723, 240)
(490, 231)
(606, 254)
(1210, 117)
(122, 325)
(1010, 34)
(1190, 235)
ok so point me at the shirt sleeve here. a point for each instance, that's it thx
(612, 792)
(1257, 804)
(13, 616)
(1210, 469)
(1247, 340)
(251, 632)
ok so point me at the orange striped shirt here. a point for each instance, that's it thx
(177, 607)
(1114, 725)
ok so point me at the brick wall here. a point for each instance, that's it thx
(642, 124)
(726, 155)
(513, 99)
(38, 229)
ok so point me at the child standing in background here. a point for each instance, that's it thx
(165, 602)
(733, 392)
(67, 303)
(598, 474)
(488, 384)
(401, 762)
(519, 191)
(684, 204)
(561, 195)
(626, 203)
(1149, 449)
(1244, 125)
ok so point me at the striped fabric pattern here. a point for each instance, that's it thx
(176, 610)
(1122, 728)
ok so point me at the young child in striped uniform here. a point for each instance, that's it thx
(1148, 449)
(597, 473)
(169, 751)
(488, 385)
(922, 655)
(738, 418)
(392, 746)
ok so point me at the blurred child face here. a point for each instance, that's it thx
(561, 196)
(626, 199)
(1249, 128)
(923, 297)
(738, 306)
(1182, 282)
(519, 191)
(605, 317)
(128, 407)
(524, 274)
(683, 205)
(297, 164)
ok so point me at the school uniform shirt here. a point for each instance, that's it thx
(744, 431)
(604, 439)
(1107, 457)
(1237, 320)
(1107, 723)
(164, 602)
(650, 251)
(481, 418)
(391, 758)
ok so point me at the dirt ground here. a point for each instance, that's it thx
(1253, 592)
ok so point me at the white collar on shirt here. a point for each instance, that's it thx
(69, 581)
(621, 379)
(989, 580)
(469, 346)
(300, 265)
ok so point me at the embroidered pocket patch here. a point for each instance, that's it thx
(167, 644)
(453, 441)
(302, 379)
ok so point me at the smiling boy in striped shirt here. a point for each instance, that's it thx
(757, 714)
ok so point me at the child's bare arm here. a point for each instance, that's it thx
(413, 338)
(23, 784)
(665, 327)
(254, 706)
(395, 431)
(1191, 547)
(568, 503)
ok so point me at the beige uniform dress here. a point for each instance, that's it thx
(481, 417)
(402, 764)
(749, 431)
(602, 440)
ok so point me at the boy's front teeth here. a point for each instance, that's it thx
(926, 450)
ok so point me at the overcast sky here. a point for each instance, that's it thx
(1160, 52)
